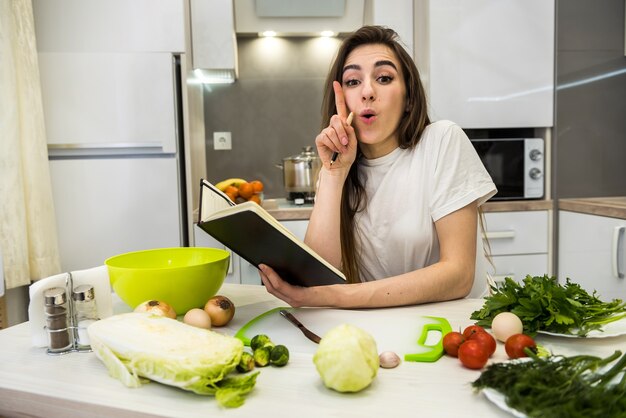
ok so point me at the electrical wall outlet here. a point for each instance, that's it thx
(222, 141)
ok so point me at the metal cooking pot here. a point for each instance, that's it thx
(300, 172)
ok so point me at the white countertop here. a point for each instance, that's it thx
(78, 385)
(614, 206)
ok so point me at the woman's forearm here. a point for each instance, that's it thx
(323, 231)
(438, 282)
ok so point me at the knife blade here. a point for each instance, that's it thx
(307, 333)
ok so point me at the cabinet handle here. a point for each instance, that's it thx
(618, 237)
(102, 149)
(500, 234)
(498, 278)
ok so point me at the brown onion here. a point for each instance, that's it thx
(157, 307)
(220, 309)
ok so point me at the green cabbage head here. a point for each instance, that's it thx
(347, 359)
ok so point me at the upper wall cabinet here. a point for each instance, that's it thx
(298, 17)
(490, 63)
(214, 43)
(110, 25)
(398, 15)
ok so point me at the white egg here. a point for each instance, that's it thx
(506, 324)
(198, 318)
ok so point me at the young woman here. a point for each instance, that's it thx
(400, 202)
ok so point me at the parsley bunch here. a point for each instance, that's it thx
(543, 304)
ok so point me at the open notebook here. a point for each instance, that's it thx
(256, 236)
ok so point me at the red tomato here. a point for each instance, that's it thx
(516, 343)
(451, 343)
(473, 354)
(472, 329)
(485, 339)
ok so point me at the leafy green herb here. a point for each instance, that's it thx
(578, 386)
(231, 391)
(543, 304)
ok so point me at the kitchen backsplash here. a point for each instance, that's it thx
(273, 109)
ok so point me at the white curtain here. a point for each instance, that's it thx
(28, 235)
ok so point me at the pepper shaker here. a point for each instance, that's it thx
(85, 310)
(57, 316)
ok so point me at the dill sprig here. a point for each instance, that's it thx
(558, 386)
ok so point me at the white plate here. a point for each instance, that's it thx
(497, 399)
(612, 329)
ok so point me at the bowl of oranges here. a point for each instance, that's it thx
(240, 190)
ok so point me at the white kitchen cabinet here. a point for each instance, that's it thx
(112, 101)
(109, 25)
(297, 227)
(523, 232)
(97, 207)
(519, 266)
(489, 63)
(202, 239)
(592, 253)
(214, 43)
(396, 14)
(300, 17)
(519, 243)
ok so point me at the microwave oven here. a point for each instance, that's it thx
(516, 166)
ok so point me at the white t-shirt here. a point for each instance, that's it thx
(407, 191)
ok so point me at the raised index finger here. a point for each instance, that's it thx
(340, 102)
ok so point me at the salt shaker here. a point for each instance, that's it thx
(85, 310)
(57, 317)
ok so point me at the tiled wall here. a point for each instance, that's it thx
(273, 109)
(590, 131)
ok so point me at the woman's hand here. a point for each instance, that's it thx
(295, 296)
(338, 136)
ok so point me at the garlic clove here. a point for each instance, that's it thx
(388, 360)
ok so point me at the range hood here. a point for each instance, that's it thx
(298, 17)
(213, 41)
(215, 25)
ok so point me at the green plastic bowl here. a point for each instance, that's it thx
(184, 277)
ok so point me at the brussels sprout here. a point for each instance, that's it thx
(259, 341)
(347, 359)
(279, 355)
(262, 356)
(246, 363)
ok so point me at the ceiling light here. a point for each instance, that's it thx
(268, 33)
(327, 33)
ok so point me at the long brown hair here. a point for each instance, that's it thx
(410, 129)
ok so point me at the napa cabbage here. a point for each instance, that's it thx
(137, 346)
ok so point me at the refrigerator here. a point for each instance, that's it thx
(116, 152)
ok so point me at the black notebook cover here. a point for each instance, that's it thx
(258, 241)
